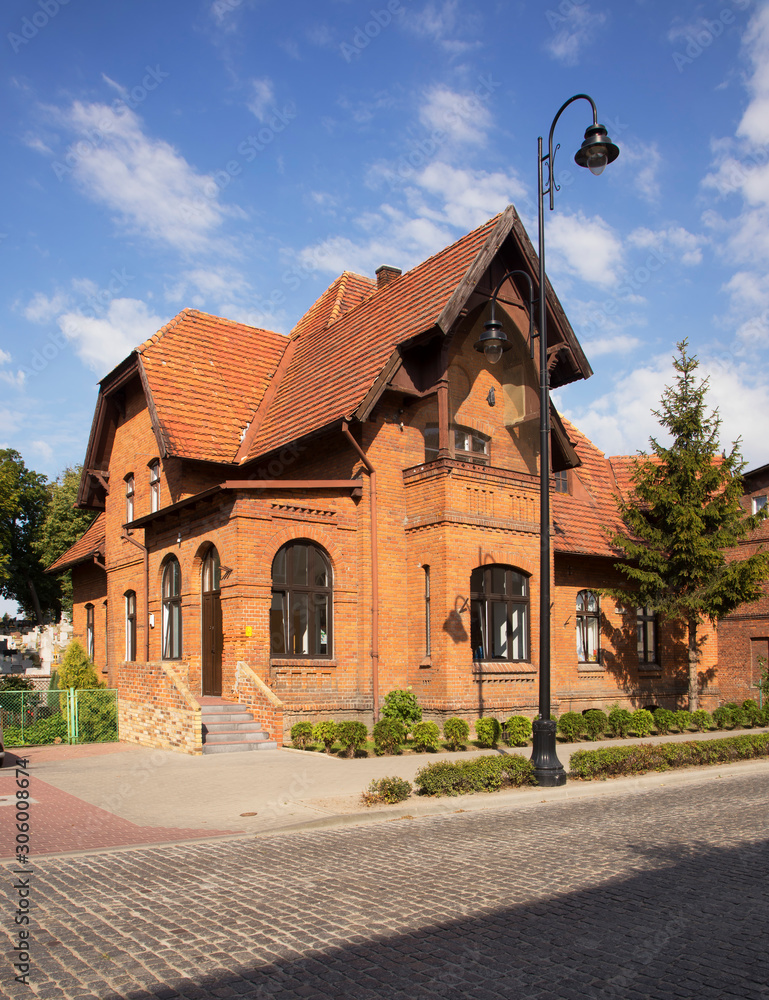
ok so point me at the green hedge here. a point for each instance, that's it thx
(609, 762)
(483, 774)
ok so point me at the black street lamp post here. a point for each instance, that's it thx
(595, 152)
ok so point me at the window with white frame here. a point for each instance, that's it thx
(89, 630)
(172, 610)
(465, 445)
(154, 485)
(129, 497)
(588, 631)
(499, 626)
(758, 503)
(130, 625)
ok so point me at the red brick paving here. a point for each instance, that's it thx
(60, 822)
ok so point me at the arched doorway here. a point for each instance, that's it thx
(211, 618)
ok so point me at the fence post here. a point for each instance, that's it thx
(72, 727)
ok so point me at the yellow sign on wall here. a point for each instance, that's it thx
(249, 631)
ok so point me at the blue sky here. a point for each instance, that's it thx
(236, 155)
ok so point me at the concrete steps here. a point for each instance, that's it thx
(228, 728)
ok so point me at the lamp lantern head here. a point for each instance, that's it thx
(492, 342)
(596, 150)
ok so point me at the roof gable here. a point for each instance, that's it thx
(90, 544)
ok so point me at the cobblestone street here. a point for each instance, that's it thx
(659, 893)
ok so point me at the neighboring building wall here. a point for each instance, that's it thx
(89, 586)
(744, 635)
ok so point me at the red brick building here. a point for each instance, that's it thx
(300, 524)
(743, 636)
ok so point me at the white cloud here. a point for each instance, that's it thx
(438, 21)
(5, 357)
(103, 341)
(623, 343)
(43, 308)
(150, 186)
(262, 98)
(574, 31)
(645, 158)
(463, 117)
(755, 121)
(441, 203)
(585, 248)
(42, 448)
(673, 241)
(17, 378)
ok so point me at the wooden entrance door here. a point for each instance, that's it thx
(211, 618)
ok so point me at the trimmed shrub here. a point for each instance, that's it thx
(488, 731)
(664, 720)
(643, 722)
(749, 703)
(40, 733)
(517, 731)
(352, 735)
(484, 774)
(389, 790)
(301, 735)
(615, 761)
(739, 718)
(765, 715)
(97, 717)
(571, 725)
(722, 716)
(77, 670)
(456, 732)
(389, 735)
(426, 736)
(753, 714)
(402, 705)
(325, 733)
(683, 720)
(595, 723)
(702, 720)
(620, 722)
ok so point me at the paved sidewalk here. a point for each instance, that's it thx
(135, 795)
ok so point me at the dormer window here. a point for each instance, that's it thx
(154, 485)
(129, 498)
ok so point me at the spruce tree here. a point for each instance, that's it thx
(683, 518)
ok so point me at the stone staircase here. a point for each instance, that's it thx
(229, 728)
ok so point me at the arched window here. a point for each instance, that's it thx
(130, 624)
(499, 628)
(154, 485)
(211, 572)
(89, 630)
(129, 498)
(588, 633)
(172, 610)
(301, 609)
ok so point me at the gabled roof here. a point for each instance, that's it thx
(90, 544)
(206, 377)
(582, 518)
(333, 367)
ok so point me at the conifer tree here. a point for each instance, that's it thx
(683, 518)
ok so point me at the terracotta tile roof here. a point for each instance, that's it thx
(582, 518)
(347, 291)
(623, 467)
(334, 366)
(206, 377)
(90, 541)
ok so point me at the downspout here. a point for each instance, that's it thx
(145, 551)
(374, 571)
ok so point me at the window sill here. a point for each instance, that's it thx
(649, 668)
(484, 667)
(590, 668)
(303, 661)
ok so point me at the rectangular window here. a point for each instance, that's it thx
(561, 481)
(129, 499)
(646, 628)
(89, 636)
(154, 486)
(130, 626)
(759, 503)
(428, 636)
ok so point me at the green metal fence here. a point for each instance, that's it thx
(32, 718)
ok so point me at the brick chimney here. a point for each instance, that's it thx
(385, 274)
